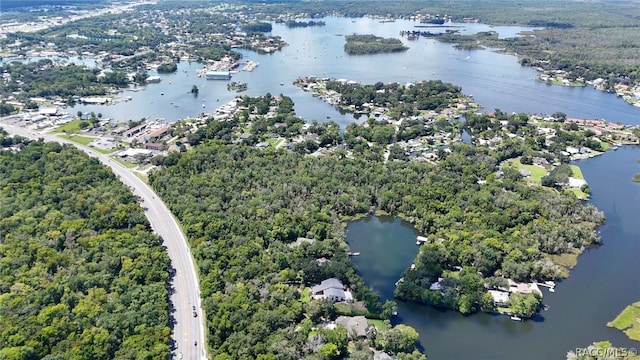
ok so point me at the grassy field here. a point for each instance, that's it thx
(537, 172)
(124, 163)
(82, 140)
(576, 172)
(628, 321)
(72, 127)
(85, 140)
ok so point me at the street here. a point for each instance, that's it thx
(188, 330)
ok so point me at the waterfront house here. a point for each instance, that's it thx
(331, 290)
(523, 288)
(575, 183)
(500, 298)
(436, 285)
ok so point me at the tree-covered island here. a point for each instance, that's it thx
(370, 44)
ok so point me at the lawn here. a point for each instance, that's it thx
(354, 309)
(85, 140)
(537, 172)
(82, 140)
(70, 127)
(124, 163)
(578, 193)
(576, 172)
(628, 321)
(379, 324)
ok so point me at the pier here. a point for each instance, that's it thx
(549, 284)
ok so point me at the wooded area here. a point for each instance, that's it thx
(81, 274)
(371, 44)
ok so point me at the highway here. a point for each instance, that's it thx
(188, 330)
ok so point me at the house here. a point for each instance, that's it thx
(158, 133)
(500, 298)
(436, 285)
(134, 130)
(523, 288)
(575, 183)
(572, 150)
(154, 146)
(332, 290)
(303, 240)
(357, 325)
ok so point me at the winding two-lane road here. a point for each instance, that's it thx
(188, 330)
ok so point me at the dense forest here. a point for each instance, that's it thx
(243, 208)
(81, 274)
(46, 78)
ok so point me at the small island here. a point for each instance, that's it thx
(358, 44)
(628, 321)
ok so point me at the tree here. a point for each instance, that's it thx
(400, 339)
(524, 305)
(329, 351)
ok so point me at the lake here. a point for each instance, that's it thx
(494, 80)
(599, 287)
(604, 281)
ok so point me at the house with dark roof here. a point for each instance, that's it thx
(356, 325)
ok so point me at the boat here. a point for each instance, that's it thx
(552, 290)
(433, 21)
(218, 75)
(516, 318)
(353, 253)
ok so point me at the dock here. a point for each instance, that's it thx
(549, 284)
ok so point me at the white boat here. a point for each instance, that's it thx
(516, 318)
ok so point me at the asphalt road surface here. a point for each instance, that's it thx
(188, 329)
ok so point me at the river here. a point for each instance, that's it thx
(495, 80)
(599, 287)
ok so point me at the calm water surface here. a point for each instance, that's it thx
(602, 284)
(495, 80)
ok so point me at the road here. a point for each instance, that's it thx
(188, 329)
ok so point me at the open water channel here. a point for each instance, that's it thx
(602, 284)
